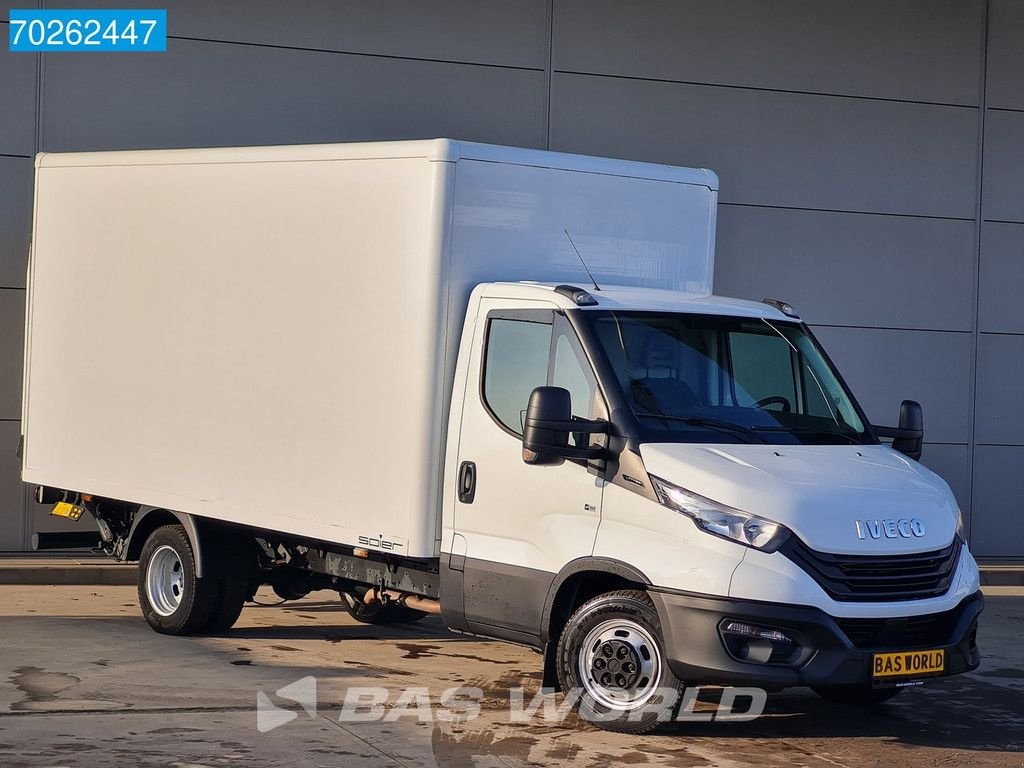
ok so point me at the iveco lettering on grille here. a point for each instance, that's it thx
(890, 529)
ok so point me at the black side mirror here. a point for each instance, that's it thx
(908, 437)
(547, 427)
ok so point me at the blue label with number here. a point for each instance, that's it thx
(77, 31)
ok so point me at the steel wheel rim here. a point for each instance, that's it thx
(620, 664)
(165, 580)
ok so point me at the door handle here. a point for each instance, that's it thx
(467, 482)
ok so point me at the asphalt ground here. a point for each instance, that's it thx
(85, 682)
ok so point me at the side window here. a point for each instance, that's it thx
(516, 363)
(571, 370)
(762, 367)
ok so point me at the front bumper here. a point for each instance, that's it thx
(697, 654)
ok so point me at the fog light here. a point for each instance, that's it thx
(760, 645)
(758, 633)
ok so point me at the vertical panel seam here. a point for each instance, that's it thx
(27, 511)
(976, 297)
(550, 72)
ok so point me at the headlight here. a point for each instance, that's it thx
(960, 524)
(720, 520)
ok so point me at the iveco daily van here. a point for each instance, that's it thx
(488, 383)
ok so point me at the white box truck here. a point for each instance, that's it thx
(487, 383)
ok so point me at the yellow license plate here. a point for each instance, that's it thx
(64, 509)
(908, 663)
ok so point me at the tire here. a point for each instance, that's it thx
(235, 564)
(382, 613)
(232, 592)
(611, 656)
(857, 695)
(173, 600)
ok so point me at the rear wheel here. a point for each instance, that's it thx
(611, 655)
(232, 593)
(173, 600)
(857, 695)
(236, 563)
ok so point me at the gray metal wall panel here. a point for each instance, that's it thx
(850, 269)
(1001, 287)
(12, 344)
(502, 32)
(12, 534)
(1005, 83)
(18, 97)
(1000, 390)
(780, 148)
(771, 148)
(998, 488)
(15, 219)
(207, 94)
(951, 463)
(884, 367)
(920, 50)
(1003, 188)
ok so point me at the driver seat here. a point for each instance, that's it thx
(656, 384)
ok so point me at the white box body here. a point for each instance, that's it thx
(267, 335)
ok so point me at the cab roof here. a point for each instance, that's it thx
(632, 298)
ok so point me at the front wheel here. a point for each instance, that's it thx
(611, 656)
(857, 695)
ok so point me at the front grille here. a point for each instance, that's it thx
(932, 629)
(877, 577)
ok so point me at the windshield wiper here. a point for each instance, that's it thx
(700, 421)
(851, 435)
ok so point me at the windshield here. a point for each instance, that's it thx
(701, 378)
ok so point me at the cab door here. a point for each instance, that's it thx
(519, 524)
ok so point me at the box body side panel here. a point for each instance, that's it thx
(249, 341)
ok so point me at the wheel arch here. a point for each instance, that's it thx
(578, 581)
(148, 519)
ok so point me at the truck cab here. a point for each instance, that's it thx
(658, 487)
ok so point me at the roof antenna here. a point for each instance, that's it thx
(596, 286)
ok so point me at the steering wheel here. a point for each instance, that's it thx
(775, 400)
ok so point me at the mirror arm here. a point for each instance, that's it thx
(568, 452)
(586, 426)
(898, 432)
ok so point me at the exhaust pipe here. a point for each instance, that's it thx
(415, 602)
(44, 494)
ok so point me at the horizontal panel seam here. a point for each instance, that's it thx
(11, 154)
(396, 57)
(765, 89)
(889, 328)
(850, 211)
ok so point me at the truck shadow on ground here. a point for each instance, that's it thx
(959, 713)
(429, 628)
(969, 723)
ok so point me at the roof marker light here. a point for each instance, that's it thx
(783, 306)
(579, 296)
